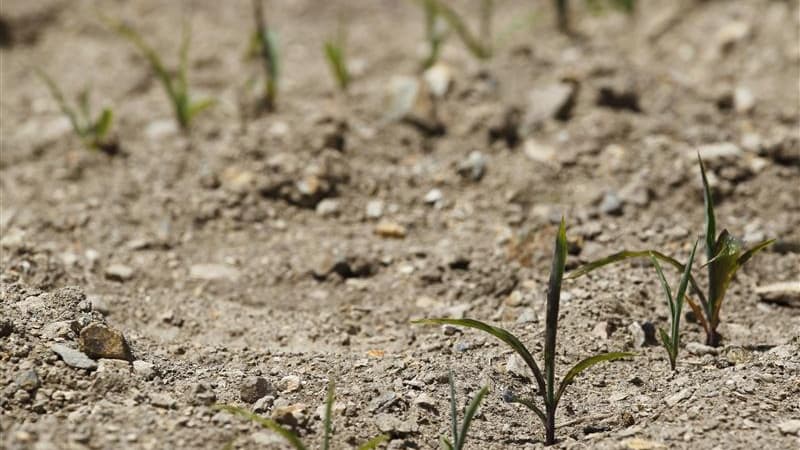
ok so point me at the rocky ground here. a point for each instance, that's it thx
(255, 259)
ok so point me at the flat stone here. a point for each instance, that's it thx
(119, 272)
(785, 293)
(717, 151)
(28, 380)
(791, 426)
(213, 272)
(699, 349)
(433, 196)
(539, 152)
(553, 101)
(144, 369)
(161, 400)
(98, 340)
(328, 207)
(517, 367)
(293, 416)
(611, 204)
(73, 357)
(678, 397)
(374, 209)
(474, 167)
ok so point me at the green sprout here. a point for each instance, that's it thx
(291, 437)
(439, 16)
(92, 131)
(562, 10)
(546, 383)
(724, 253)
(176, 85)
(460, 433)
(672, 341)
(265, 44)
(335, 54)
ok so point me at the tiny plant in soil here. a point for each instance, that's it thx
(460, 433)
(563, 15)
(672, 340)
(546, 382)
(93, 131)
(336, 56)
(440, 18)
(265, 45)
(176, 85)
(291, 437)
(724, 253)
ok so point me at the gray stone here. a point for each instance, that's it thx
(328, 207)
(554, 101)
(374, 209)
(611, 204)
(294, 416)
(527, 315)
(433, 196)
(28, 380)
(253, 388)
(424, 400)
(717, 151)
(540, 152)
(516, 366)
(290, 383)
(791, 426)
(73, 357)
(161, 400)
(678, 397)
(637, 335)
(213, 272)
(119, 272)
(144, 369)
(699, 349)
(394, 426)
(474, 167)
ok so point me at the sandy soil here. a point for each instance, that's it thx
(219, 264)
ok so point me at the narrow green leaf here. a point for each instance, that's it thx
(290, 437)
(103, 124)
(480, 50)
(445, 444)
(665, 340)
(628, 254)
(711, 221)
(326, 421)
(374, 442)
(472, 408)
(727, 250)
(664, 285)
(682, 285)
(58, 96)
(200, 106)
(453, 408)
(585, 364)
(553, 301)
(499, 333)
(84, 104)
(753, 250)
(334, 53)
(529, 403)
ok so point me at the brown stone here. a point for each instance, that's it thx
(98, 340)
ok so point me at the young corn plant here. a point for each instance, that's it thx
(672, 340)
(546, 382)
(440, 18)
(265, 44)
(93, 131)
(291, 437)
(724, 254)
(337, 61)
(176, 85)
(460, 433)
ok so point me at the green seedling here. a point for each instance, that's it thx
(176, 85)
(724, 253)
(672, 341)
(265, 44)
(460, 433)
(440, 17)
(562, 10)
(546, 382)
(93, 132)
(337, 61)
(291, 437)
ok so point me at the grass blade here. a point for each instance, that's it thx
(553, 300)
(664, 285)
(628, 254)
(530, 405)
(266, 423)
(684, 283)
(445, 444)
(474, 45)
(499, 333)
(335, 56)
(58, 96)
(472, 408)
(374, 442)
(453, 408)
(585, 364)
(199, 106)
(103, 124)
(711, 221)
(753, 250)
(327, 428)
